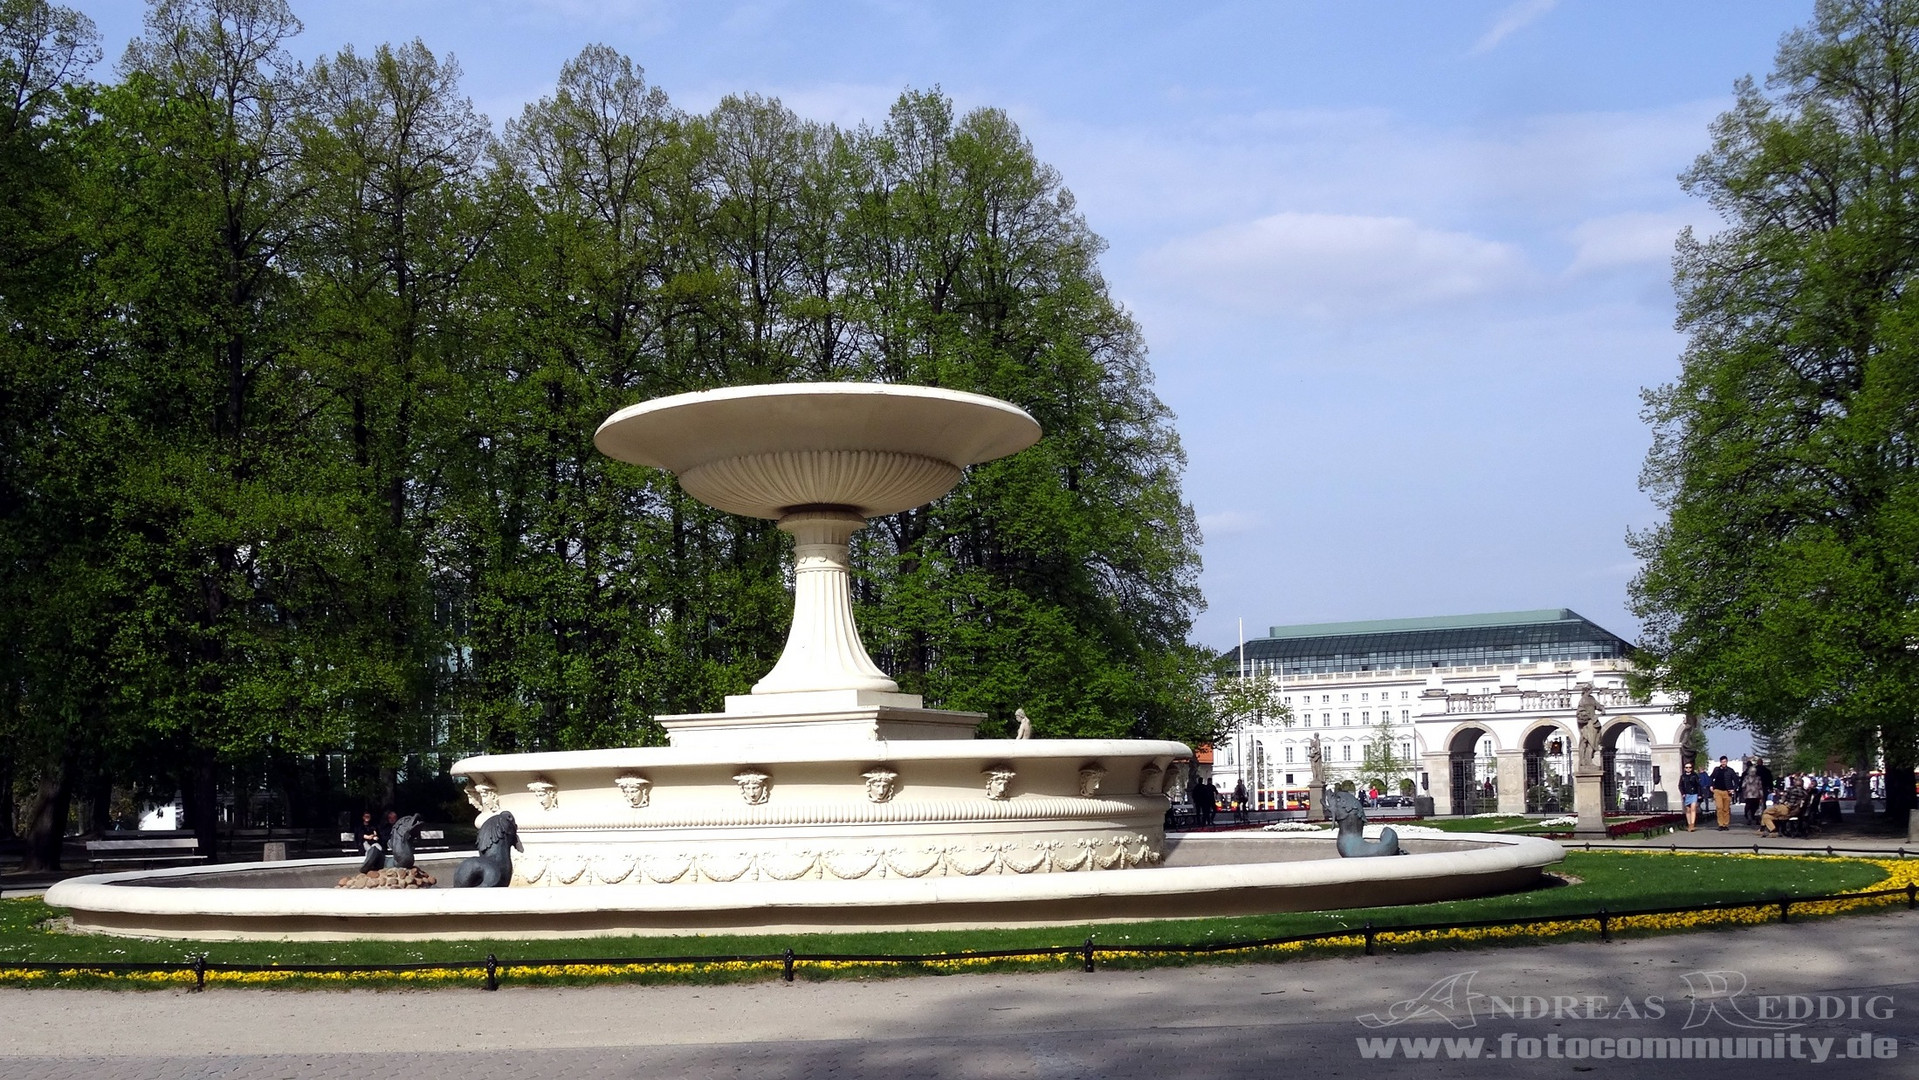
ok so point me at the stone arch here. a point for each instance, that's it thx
(1479, 730)
(1547, 756)
(1470, 786)
(1626, 784)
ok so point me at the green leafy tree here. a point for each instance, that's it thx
(1381, 765)
(57, 580)
(223, 514)
(1782, 591)
(393, 155)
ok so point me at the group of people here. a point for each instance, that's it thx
(1751, 784)
(1205, 799)
(377, 833)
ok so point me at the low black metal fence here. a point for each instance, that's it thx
(1829, 850)
(489, 970)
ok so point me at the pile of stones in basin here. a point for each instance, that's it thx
(392, 877)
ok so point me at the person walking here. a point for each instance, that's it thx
(1752, 788)
(1724, 783)
(1239, 800)
(1692, 788)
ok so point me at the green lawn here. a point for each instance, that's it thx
(1618, 881)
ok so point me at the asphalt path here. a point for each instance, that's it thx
(1564, 1010)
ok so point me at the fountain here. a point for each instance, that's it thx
(825, 798)
(825, 771)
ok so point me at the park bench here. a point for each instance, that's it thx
(144, 849)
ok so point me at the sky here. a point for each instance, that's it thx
(1403, 267)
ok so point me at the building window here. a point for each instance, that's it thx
(1405, 694)
(1362, 697)
(1289, 699)
(1365, 718)
(1405, 714)
(1345, 751)
(1325, 699)
(1345, 719)
(1344, 698)
(1405, 751)
(1289, 755)
(1325, 719)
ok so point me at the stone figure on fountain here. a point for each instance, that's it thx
(493, 866)
(1587, 718)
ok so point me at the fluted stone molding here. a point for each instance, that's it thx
(859, 480)
(823, 647)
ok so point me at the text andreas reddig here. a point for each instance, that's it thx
(1722, 1021)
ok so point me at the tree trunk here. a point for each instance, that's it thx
(200, 791)
(47, 818)
(100, 802)
(6, 796)
(1899, 778)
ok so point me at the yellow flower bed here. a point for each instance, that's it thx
(1899, 875)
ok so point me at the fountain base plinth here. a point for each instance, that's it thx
(813, 716)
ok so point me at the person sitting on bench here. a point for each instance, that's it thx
(1776, 814)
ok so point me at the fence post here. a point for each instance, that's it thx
(199, 972)
(492, 972)
(1785, 912)
(1369, 937)
(1086, 953)
(1605, 926)
(1912, 894)
(786, 969)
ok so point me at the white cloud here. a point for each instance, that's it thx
(1514, 17)
(1628, 239)
(1228, 523)
(1331, 265)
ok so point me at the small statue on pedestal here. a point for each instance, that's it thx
(1587, 716)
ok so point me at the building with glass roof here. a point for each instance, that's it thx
(1446, 641)
(1476, 709)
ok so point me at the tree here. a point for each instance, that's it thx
(1381, 765)
(392, 154)
(222, 512)
(55, 580)
(1782, 590)
(1062, 578)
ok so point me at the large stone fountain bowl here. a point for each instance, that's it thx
(765, 451)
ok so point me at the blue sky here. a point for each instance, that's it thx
(1403, 267)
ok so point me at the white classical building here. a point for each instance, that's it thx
(1476, 709)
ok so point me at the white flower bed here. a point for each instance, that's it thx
(1558, 822)
(1298, 826)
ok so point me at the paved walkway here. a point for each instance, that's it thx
(1255, 1021)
